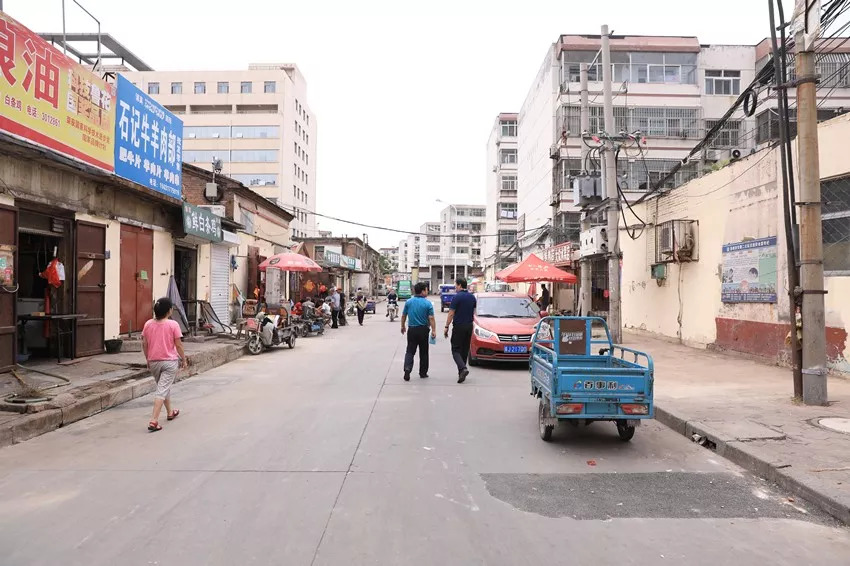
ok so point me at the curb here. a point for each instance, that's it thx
(737, 453)
(35, 424)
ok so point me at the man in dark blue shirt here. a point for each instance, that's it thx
(461, 314)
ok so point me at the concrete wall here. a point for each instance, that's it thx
(739, 202)
(536, 119)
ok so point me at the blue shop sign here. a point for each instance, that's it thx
(148, 141)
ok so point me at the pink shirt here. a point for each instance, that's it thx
(160, 336)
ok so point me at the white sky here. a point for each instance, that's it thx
(405, 93)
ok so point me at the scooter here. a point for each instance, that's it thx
(392, 311)
(266, 331)
(311, 324)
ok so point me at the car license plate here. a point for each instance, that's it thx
(516, 349)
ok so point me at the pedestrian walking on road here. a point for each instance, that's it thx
(420, 312)
(335, 307)
(461, 314)
(163, 347)
(361, 306)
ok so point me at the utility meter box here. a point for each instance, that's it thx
(587, 189)
(594, 242)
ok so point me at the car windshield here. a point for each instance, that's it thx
(507, 307)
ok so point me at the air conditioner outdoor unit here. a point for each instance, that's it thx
(676, 241)
(217, 209)
(594, 242)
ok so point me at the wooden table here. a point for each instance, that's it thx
(58, 333)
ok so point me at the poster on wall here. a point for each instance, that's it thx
(48, 99)
(749, 271)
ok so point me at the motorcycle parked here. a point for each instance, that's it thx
(308, 324)
(266, 331)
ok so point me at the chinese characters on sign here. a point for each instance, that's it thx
(749, 271)
(148, 141)
(201, 222)
(331, 258)
(559, 254)
(47, 99)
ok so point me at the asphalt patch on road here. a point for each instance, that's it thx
(664, 495)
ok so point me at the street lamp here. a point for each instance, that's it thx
(452, 247)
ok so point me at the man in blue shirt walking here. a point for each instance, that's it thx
(420, 312)
(461, 313)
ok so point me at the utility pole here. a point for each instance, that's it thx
(612, 194)
(586, 303)
(811, 234)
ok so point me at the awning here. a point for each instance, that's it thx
(533, 269)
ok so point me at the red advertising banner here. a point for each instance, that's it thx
(48, 99)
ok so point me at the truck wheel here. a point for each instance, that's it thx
(625, 431)
(543, 414)
(255, 344)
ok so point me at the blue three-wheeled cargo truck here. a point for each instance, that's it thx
(582, 378)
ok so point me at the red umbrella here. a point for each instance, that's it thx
(533, 269)
(289, 261)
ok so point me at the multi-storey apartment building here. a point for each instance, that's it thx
(671, 90)
(257, 122)
(499, 252)
(462, 230)
(391, 255)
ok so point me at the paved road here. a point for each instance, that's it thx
(323, 455)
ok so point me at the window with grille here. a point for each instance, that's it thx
(835, 195)
(728, 136)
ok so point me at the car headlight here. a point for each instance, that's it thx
(481, 333)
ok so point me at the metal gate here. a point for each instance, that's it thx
(8, 287)
(136, 293)
(220, 282)
(90, 270)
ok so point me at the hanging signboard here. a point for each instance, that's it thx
(48, 99)
(749, 271)
(558, 255)
(331, 258)
(148, 141)
(201, 223)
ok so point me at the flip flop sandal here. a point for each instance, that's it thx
(173, 415)
(154, 426)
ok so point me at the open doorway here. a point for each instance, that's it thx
(186, 279)
(45, 252)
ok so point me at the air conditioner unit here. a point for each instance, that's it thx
(217, 209)
(594, 242)
(676, 241)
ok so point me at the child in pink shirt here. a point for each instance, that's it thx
(163, 347)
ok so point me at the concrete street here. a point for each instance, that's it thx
(323, 455)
